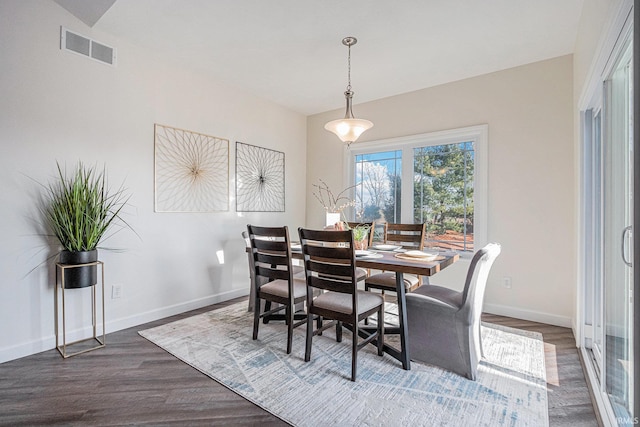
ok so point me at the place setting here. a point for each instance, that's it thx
(431, 254)
(388, 248)
(366, 254)
(417, 255)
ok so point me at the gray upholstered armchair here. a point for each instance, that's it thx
(444, 325)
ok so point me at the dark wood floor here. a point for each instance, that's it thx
(131, 381)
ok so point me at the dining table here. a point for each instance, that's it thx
(396, 261)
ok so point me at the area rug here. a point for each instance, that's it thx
(510, 389)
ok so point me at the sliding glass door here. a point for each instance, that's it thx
(608, 271)
(617, 236)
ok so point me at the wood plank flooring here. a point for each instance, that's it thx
(131, 381)
(568, 395)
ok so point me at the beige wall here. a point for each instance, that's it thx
(531, 184)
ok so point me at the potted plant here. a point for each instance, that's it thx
(361, 236)
(79, 209)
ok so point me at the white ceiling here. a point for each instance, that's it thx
(290, 51)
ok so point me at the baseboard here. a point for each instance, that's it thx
(49, 342)
(27, 349)
(531, 315)
(161, 313)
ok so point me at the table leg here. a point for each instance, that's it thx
(402, 319)
(401, 355)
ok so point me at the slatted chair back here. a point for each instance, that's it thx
(371, 226)
(271, 252)
(330, 266)
(409, 236)
(274, 281)
(329, 261)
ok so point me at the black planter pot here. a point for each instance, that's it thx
(79, 277)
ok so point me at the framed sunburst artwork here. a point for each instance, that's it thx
(259, 179)
(191, 171)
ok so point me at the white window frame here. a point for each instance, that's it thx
(479, 135)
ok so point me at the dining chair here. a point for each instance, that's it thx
(444, 324)
(298, 271)
(274, 278)
(330, 266)
(408, 236)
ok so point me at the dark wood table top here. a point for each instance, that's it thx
(390, 262)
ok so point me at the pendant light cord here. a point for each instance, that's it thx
(349, 69)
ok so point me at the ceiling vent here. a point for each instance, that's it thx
(87, 47)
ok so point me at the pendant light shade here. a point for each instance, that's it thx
(348, 129)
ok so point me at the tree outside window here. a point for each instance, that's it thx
(443, 194)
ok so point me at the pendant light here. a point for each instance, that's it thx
(349, 128)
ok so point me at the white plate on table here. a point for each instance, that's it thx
(420, 254)
(363, 253)
(386, 247)
(296, 247)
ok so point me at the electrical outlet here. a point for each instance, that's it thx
(116, 291)
(506, 282)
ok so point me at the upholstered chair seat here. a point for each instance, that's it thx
(387, 281)
(280, 288)
(341, 303)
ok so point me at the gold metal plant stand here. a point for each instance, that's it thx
(60, 281)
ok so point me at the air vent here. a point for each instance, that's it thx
(87, 47)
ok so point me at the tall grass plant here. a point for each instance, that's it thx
(80, 207)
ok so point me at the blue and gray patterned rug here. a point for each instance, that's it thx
(510, 389)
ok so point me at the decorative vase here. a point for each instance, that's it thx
(332, 218)
(79, 277)
(361, 244)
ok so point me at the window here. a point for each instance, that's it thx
(378, 196)
(443, 194)
(445, 172)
